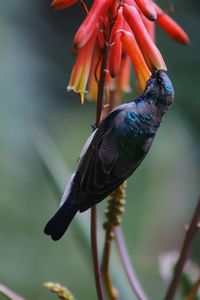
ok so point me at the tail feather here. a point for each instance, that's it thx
(59, 223)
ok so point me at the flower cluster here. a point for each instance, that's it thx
(125, 29)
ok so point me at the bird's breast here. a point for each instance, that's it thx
(133, 130)
(139, 125)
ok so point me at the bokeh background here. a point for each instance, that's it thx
(39, 121)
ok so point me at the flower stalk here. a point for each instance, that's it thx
(9, 294)
(95, 256)
(100, 100)
(132, 278)
(84, 7)
(191, 232)
(114, 212)
(192, 294)
(101, 83)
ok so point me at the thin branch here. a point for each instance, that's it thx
(134, 283)
(101, 83)
(193, 293)
(84, 7)
(94, 247)
(111, 290)
(100, 100)
(192, 230)
(114, 213)
(4, 290)
(93, 220)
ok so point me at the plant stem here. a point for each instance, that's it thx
(193, 291)
(100, 99)
(101, 83)
(94, 247)
(191, 232)
(114, 212)
(93, 221)
(84, 7)
(4, 290)
(134, 283)
(112, 291)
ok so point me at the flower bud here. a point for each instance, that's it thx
(147, 8)
(61, 4)
(141, 70)
(171, 27)
(87, 28)
(116, 46)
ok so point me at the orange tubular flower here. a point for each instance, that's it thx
(147, 8)
(171, 27)
(61, 4)
(81, 69)
(94, 74)
(116, 48)
(132, 39)
(150, 27)
(151, 53)
(141, 70)
(87, 28)
(123, 78)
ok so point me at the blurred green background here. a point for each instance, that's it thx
(35, 67)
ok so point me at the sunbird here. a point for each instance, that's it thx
(113, 151)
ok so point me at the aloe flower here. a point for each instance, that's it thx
(81, 69)
(171, 27)
(123, 78)
(150, 52)
(147, 8)
(128, 27)
(115, 54)
(141, 70)
(87, 28)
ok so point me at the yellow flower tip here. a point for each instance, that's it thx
(81, 97)
(69, 88)
(81, 93)
(81, 70)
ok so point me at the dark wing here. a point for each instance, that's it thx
(95, 169)
(98, 160)
(99, 171)
(102, 169)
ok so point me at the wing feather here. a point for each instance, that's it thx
(102, 169)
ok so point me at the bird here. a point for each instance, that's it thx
(113, 151)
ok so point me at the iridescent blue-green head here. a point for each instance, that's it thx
(160, 88)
